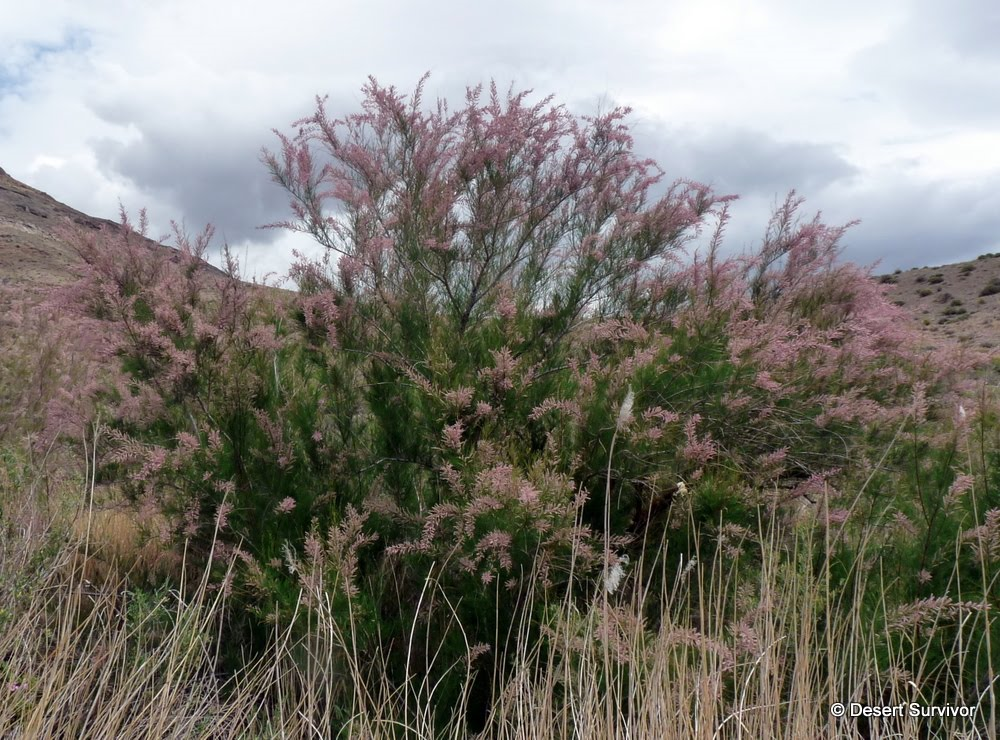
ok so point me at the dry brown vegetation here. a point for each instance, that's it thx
(955, 302)
(103, 659)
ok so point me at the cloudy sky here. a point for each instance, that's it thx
(883, 111)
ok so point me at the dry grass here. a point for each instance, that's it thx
(85, 659)
(688, 678)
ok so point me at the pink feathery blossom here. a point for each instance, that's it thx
(452, 435)
(285, 506)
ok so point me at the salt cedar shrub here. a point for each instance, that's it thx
(471, 248)
(441, 393)
(510, 237)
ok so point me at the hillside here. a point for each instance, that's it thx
(33, 252)
(957, 302)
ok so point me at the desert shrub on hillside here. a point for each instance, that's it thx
(515, 366)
